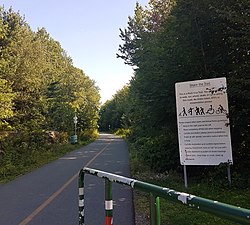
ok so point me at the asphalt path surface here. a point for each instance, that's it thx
(49, 195)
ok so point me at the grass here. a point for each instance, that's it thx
(178, 214)
(36, 159)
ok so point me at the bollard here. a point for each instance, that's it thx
(155, 217)
(108, 202)
(81, 197)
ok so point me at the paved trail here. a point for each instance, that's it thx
(49, 195)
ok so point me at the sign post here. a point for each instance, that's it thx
(203, 123)
(75, 122)
(74, 137)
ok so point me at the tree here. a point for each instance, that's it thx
(174, 41)
(114, 113)
(48, 89)
(6, 103)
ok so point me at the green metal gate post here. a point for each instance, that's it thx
(108, 202)
(155, 217)
(230, 212)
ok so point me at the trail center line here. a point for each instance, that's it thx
(59, 191)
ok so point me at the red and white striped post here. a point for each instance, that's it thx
(108, 202)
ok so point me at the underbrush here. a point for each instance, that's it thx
(24, 153)
(122, 132)
(178, 214)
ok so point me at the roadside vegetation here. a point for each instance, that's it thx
(205, 185)
(177, 214)
(174, 41)
(28, 161)
(40, 93)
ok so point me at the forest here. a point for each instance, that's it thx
(40, 93)
(171, 41)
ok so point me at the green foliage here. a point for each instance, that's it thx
(88, 135)
(11, 166)
(179, 40)
(150, 150)
(40, 91)
(6, 103)
(113, 114)
(170, 212)
(18, 149)
(124, 133)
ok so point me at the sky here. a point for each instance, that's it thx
(88, 30)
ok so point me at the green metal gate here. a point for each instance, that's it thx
(216, 208)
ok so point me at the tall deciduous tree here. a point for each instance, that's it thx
(114, 114)
(48, 89)
(181, 40)
(6, 103)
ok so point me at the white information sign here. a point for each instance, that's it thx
(203, 124)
